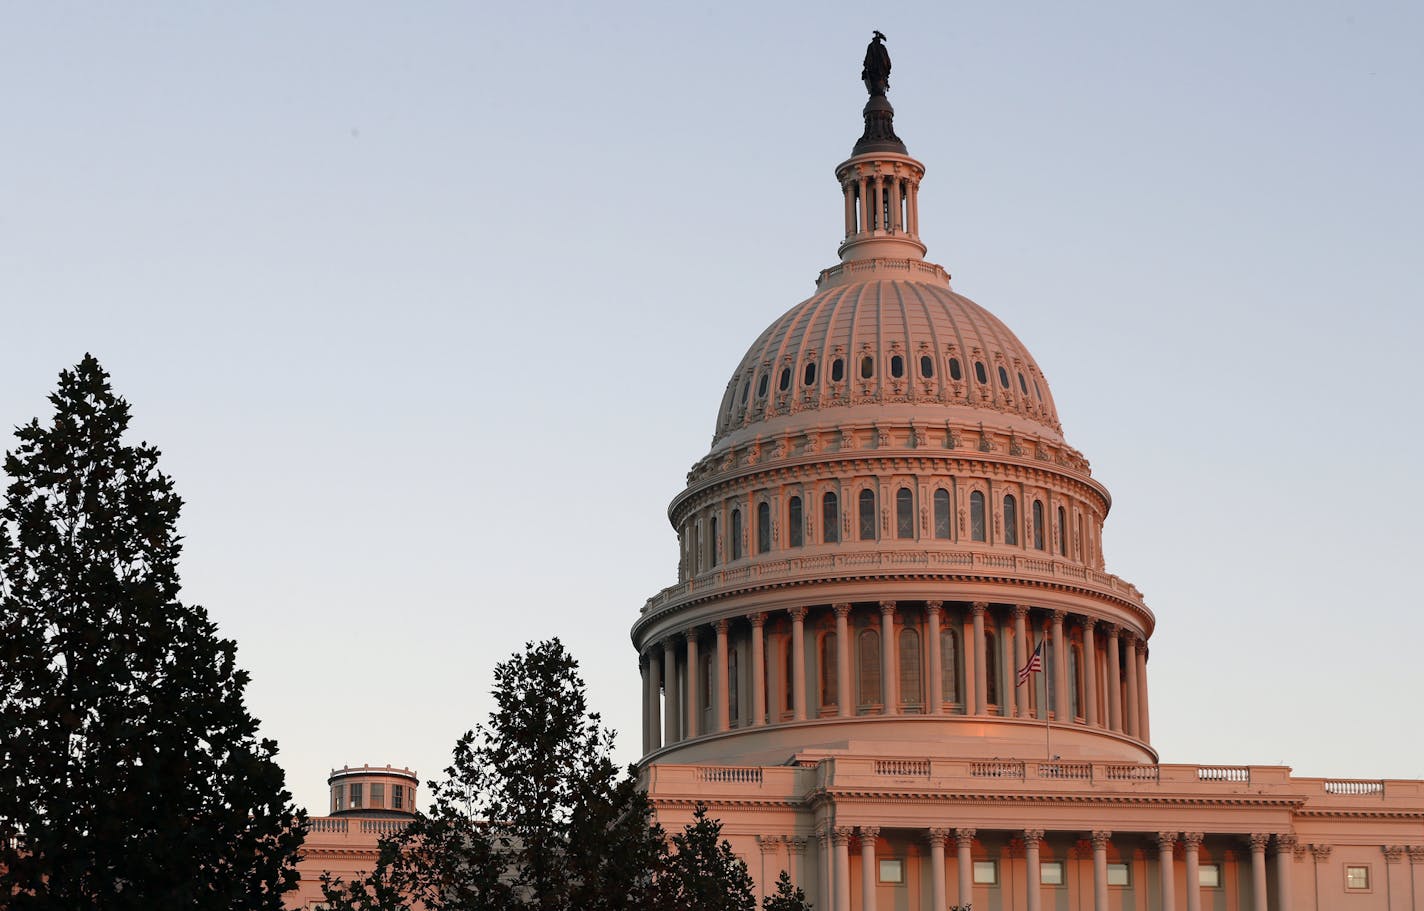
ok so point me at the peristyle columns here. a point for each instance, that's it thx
(888, 675)
(1032, 839)
(843, 702)
(937, 896)
(1100, 869)
(963, 842)
(1114, 678)
(694, 685)
(798, 662)
(840, 838)
(1062, 710)
(1285, 856)
(1131, 719)
(672, 693)
(981, 705)
(1258, 871)
(935, 689)
(1021, 658)
(1166, 841)
(868, 878)
(655, 684)
(1090, 672)
(758, 621)
(719, 676)
(1192, 842)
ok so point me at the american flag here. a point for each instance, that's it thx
(1034, 665)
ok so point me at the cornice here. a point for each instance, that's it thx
(880, 795)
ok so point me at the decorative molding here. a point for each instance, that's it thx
(1192, 840)
(1032, 837)
(1392, 853)
(1321, 852)
(1100, 839)
(965, 837)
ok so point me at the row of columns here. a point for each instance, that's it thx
(876, 192)
(836, 885)
(1124, 703)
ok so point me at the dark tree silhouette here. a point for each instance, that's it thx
(701, 873)
(131, 774)
(786, 897)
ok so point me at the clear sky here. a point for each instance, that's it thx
(430, 307)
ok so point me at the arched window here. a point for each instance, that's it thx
(795, 523)
(926, 366)
(954, 372)
(809, 375)
(763, 527)
(761, 386)
(904, 513)
(867, 367)
(784, 383)
(1038, 524)
(948, 666)
(713, 548)
(1011, 519)
(837, 370)
(980, 374)
(869, 649)
(736, 534)
(732, 699)
(1003, 378)
(1062, 532)
(897, 366)
(991, 668)
(976, 516)
(830, 518)
(910, 667)
(830, 683)
(1023, 384)
(867, 515)
(746, 387)
(941, 514)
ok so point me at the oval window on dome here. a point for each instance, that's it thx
(784, 383)
(761, 387)
(1023, 384)
(746, 387)
(1036, 391)
(897, 366)
(867, 367)
(954, 372)
(1003, 378)
(926, 366)
(808, 377)
(980, 373)
(837, 370)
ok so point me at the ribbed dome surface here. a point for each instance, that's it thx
(917, 345)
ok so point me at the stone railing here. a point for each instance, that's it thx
(730, 774)
(903, 768)
(1056, 773)
(327, 824)
(828, 566)
(1239, 774)
(1354, 786)
(383, 826)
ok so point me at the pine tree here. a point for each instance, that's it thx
(787, 897)
(131, 774)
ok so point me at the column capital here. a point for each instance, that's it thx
(1392, 853)
(964, 837)
(721, 626)
(798, 613)
(757, 619)
(769, 844)
(1166, 840)
(934, 607)
(1258, 841)
(1321, 852)
(1032, 838)
(1020, 611)
(869, 831)
(887, 608)
(840, 835)
(687, 635)
(1286, 843)
(1192, 840)
(1100, 838)
(1058, 616)
(978, 608)
(795, 844)
(1416, 853)
(1114, 631)
(1088, 624)
(938, 835)
(842, 608)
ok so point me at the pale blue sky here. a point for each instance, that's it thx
(430, 307)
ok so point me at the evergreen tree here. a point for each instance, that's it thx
(532, 812)
(131, 775)
(787, 897)
(702, 873)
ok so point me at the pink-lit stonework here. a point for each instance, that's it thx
(887, 525)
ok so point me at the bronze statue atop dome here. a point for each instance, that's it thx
(876, 71)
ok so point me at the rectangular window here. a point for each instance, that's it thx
(1118, 875)
(397, 796)
(986, 872)
(356, 797)
(378, 795)
(337, 804)
(1050, 873)
(1209, 876)
(892, 871)
(1357, 878)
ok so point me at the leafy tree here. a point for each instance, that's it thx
(131, 775)
(532, 813)
(702, 873)
(787, 897)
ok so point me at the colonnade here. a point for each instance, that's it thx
(868, 197)
(836, 844)
(682, 699)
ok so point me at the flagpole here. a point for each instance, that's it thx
(1048, 707)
